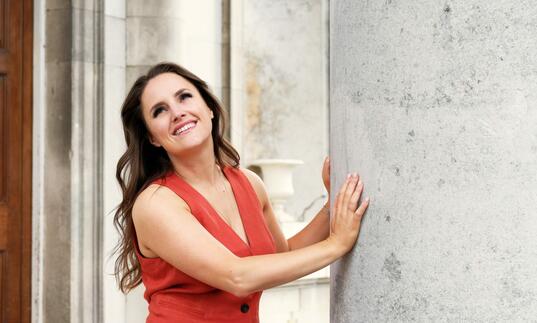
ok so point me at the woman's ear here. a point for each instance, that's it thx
(153, 141)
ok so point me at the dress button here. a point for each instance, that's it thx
(245, 308)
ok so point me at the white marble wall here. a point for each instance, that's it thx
(180, 31)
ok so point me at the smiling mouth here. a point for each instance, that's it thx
(185, 128)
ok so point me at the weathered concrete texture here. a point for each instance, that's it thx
(286, 82)
(435, 104)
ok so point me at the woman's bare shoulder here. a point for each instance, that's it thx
(252, 176)
(155, 197)
(257, 184)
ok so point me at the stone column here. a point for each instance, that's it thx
(435, 104)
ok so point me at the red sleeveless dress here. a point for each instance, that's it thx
(174, 296)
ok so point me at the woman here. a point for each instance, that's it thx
(197, 229)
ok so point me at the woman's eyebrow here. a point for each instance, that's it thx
(161, 102)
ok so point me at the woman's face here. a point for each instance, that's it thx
(177, 117)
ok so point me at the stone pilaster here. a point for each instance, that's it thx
(68, 168)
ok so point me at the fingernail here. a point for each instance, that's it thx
(360, 182)
(348, 176)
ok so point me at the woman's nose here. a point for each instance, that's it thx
(178, 114)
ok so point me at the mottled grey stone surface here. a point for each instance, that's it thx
(286, 84)
(435, 104)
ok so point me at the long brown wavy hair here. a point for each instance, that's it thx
(142, 163)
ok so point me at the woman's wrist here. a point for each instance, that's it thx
(337, 247)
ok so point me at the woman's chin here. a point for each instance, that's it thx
(192, 146)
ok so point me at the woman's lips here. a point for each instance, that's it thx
(185, 128)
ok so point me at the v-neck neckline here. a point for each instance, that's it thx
(248, 241)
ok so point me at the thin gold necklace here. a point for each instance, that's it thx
(225, 197)
(222, 190)
(230, 208)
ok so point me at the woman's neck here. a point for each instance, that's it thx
(197, 168)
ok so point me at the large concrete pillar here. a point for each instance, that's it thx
(435, 104)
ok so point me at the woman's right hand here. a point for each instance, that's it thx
(347, 216)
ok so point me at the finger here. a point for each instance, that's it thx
(341, 193)
(363, 207)
(350, 189)
(326, 172)
(353, 204)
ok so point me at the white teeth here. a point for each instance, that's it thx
(184, 128)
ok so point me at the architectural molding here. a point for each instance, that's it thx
(68, 126)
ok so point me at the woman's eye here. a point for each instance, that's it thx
(184, 96)
(157, 111)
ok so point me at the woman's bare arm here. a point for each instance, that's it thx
(316, 230)
(167, 229)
